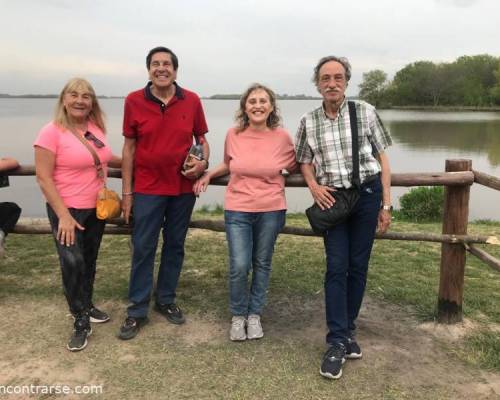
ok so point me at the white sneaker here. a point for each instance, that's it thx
(237, 332)
(254, 328)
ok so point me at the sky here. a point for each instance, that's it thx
(223, 46)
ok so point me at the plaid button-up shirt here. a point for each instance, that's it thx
(327, 143)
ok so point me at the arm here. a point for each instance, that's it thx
(201, 184)
(321, 194)
(44, 165)
(7, 163)
(115, 162)
(384, 216)
(128, 154)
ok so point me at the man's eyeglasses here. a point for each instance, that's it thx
(97, 143)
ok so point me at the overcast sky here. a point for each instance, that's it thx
(225, 45)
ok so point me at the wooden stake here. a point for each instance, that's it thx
(455, 217)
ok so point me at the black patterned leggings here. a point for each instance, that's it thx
(78, 261)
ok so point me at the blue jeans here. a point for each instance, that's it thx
(251, 237)
(152, 213)
(348, 247)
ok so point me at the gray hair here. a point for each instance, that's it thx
(341, 60)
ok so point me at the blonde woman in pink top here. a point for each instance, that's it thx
(67, 176)
(255, 153)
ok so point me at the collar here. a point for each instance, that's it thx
(179, 93)
(342, 108)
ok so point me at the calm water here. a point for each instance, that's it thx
(422, 143)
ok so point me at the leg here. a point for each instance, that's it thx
(72, 262)
(240, 244)
(266, 227)
(363, 223)
(92, 236)
(9, 214)
(175, 227)
(148, 218)
(336, 241)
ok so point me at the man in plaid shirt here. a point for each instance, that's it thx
(324, 151)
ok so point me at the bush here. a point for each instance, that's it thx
(422, 204)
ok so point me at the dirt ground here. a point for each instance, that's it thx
(414, 355)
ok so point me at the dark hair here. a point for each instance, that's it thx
(341, 60)
(161, 49)
(274, 118)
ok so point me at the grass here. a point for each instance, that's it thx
(405, 274)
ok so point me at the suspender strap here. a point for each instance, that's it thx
(97, 161)
(354, 137)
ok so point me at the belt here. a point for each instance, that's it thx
(367, 180)
(371, 178)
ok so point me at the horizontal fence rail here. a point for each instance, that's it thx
(296, 180)
(118, 226)
(486, 180)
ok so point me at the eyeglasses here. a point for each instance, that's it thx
(97, 143)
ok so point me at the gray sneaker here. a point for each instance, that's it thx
(254, 327)
(237, 332)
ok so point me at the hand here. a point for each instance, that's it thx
(384, 220)
(127, 206)
(66, 230)
(194, 168)
(201, 184)
(322, 196)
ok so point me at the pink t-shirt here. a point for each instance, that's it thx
(75, 174)
(255, 161)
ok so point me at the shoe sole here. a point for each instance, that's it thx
(255, 337)
(354, 356)
(95, 320)
(328, 375)
(99, 321)
(233, 339)
(74, 349)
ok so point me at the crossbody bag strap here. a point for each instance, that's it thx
(97, 161)
(354, 138)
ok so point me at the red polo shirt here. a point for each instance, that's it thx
(164, 134)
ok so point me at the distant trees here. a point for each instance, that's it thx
(373, 87)
(468, 81)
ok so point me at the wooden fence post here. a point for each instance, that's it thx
(455, 218)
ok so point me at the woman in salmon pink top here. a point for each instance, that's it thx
(68, 178)
(256, 150)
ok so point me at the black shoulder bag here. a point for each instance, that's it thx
(345, 199)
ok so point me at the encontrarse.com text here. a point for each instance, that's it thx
(50, 389)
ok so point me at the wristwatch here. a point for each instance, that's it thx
(386, 207)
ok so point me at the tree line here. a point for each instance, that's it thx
(469, 81)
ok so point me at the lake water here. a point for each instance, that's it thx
(422, 143)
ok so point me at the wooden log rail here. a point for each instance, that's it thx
(457, 179)
(296, 180)
(117, 226)
(486, 180)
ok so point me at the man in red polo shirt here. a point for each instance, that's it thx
(159, 124)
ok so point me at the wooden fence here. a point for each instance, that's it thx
(455, 241)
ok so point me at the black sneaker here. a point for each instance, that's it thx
(82, 330)
(171, 312)
(131, 327)
(352, 350)
(331, 367)
(97, 316)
